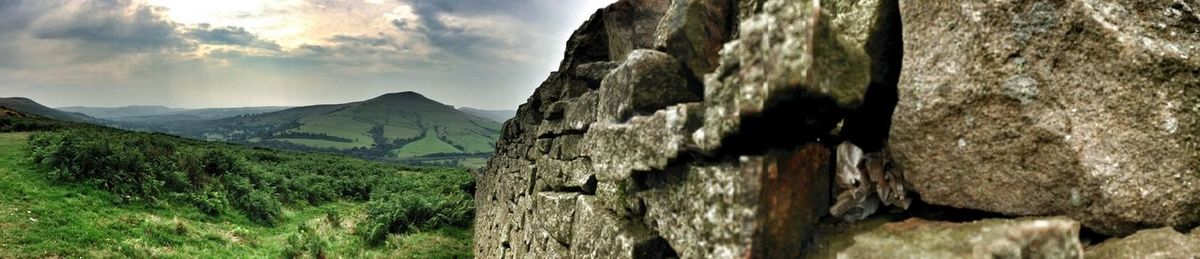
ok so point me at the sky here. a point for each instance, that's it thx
(487, 54)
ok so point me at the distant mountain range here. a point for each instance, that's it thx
(495, 115)
(154, 113)
(406, 127)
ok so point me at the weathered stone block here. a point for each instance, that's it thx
(643, 143)
(648, 80)
(990, 238)
(787, 54)
(1082, 108)
(630, 25)
(1152, 243)
(762, 206)
(599, 234)
(693, 31)
(555, 213)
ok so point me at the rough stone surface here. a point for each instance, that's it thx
(649, 80)
(1152, 243)
(1082, 108)
(694, 31)
(631, 24)
(787, 62)
(990, 238)
(603, 161)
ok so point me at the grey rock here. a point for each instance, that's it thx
(648, 80)
(555, 214)
(989, 238)
(615, 131)
(630, 25)
(763, 206)
(643, 143)
(1151, 243)
(599, 234)
(770, 64)
(1083, 108)
(693, 31)
(595, 71)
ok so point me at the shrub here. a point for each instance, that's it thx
(422, 202)
(305, 240)
(218, 178)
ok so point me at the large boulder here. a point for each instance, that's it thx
(1081, 108)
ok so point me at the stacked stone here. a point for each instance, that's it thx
(664, 135)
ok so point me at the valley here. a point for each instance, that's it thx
(401, 127)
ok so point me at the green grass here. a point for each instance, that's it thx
(393, 132)
(430, 144)
(318, 143)
(44, 218)
(472, 142)
(339, 126)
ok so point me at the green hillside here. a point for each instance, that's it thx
(81, 191)
(154, 114)
(401, 126)
(27, 106)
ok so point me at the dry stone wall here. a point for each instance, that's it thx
(687, 128)
(706, 129)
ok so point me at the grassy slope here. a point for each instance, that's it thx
(402, 116)
(28, 106)
(425, 146)
(40, 218)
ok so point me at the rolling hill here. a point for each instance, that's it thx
(156, 113)
(405, 127)
(27, 106)
(399, 126)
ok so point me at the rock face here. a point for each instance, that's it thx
(1153, 243)
(991, 238)
(654, 141)
(1089, 109)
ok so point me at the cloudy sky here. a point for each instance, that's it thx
(225, 53)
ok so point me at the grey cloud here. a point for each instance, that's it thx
(15, 15)
(106, 23)
(472, 44)
(230, 35)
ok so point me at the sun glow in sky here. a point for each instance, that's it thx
(223, 53)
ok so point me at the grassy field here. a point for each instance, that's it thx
(319, 143)
(430, 144)
(400, 131)
(44, 218)
(338, 126)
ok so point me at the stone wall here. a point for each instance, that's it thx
(707, 129)
(692, 128)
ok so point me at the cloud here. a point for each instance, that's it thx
(470, 30)
(481, 53)
(118, 25)
(230, 35)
